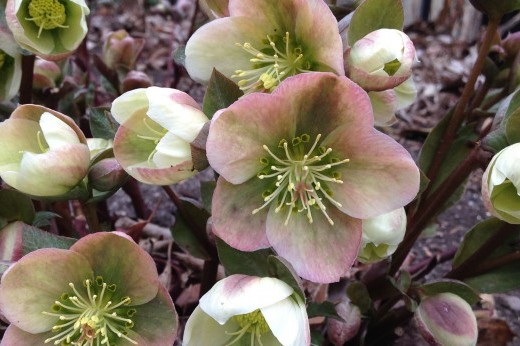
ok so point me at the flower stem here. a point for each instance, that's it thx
(90, 211)
(26, 85)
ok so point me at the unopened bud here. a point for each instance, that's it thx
(46, 73)
(107, 175)
(135, 80)
(121, 49)
(339, 332)
(446, 319)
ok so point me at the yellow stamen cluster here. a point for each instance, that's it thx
(253, 323)
(277, 60)
(47, 14)
(2, 58)
(299, 182)
(91, 318)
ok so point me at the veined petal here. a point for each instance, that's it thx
(214, 332)
(18, 136)
(56, 132)
(214, 46)
(381, 175)
(126, 105)
(232, 214)
(171, 151)
(241, 294)
(71, 36)
(288, 321)
(121, 262)
(304, 244)
(236, 135)
(272, 14)
(14, 336)
(36, 282)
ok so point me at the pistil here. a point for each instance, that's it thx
(253, 323)
(300, 180)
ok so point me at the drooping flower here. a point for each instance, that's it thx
(10, 66)
(299, 169)
(381, 60)
(52, 29)
(43, 152)
(447, 319)
(501, 185)
(157, 126)
(381, 235)
(103, 291)
(387, 102)
(265, 41)
(243, 309)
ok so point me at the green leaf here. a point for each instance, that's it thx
(500, 279)
(43, 218)
(206, 191)
(221, 93)
(496, 9)
(192, 237)
(453, 286)
(101, 123)
(18, 239)
(359, 296)
(325, 309)
(15, 206)
(372, 15)
(253, 263)
(281, 269)
(179, 56)
(512, 127)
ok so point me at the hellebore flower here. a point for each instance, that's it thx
(103, 291)
(43, 152)
(263, 42)
(381, 60)
(241, 308)
(51, 29)
(157, 126)
(501, 185)
(121, 49)
(447, 319)
(45, 75)
(300, 167)
(381, 235)
(387, 102)
(10, 66)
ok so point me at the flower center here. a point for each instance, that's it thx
(2, 58)
(47, 14)
(156, 133)
(277, 60)
(92, 318)
(392, 67)
(253, 323)
(300, 181)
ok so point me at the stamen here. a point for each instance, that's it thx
(47, 14)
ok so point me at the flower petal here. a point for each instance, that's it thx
(214, 333)
(76, 30)
(236, 135)
(232, 215)
(171, 151)
(131, 102)
(33, 284)
(14, 336)
(304, 244)
(156, 322)
(121, 262)
(56, 132)
(288, 321)
(214, 46)
(241, 294)
(381, 175)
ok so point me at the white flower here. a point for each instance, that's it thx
(241, 308)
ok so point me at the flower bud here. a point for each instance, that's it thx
(51, 29)
(10, 66)
(43, 152)
(446, 319)
(339, 332)
(135, 80)
(46, 73)
(381, 60)
(501, 185)
(121, 49)
(381, 235)
(387, 102)
(107, 175)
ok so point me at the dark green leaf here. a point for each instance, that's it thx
(101, 123)
(253, 263)
(359, 296)
(15, 206)
(372, 15)
(281, 269)
(512, 127)
(190, 232)
(43, 218)
(221, 93)
(453, 286)
(496, 9)
(206, 192)
(325, 309)
(179, 56)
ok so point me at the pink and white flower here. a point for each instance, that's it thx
(299, 169)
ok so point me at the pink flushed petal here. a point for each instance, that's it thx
(371, 82)
(14, 336)
(318, 251)
(270, 14)
(241, 294)
(232, 215)
(121, 262)
(236, 136)
(381, 175)
(316, 23)
(164, 176)
(35, 282)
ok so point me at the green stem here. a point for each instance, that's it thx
(26, 85)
